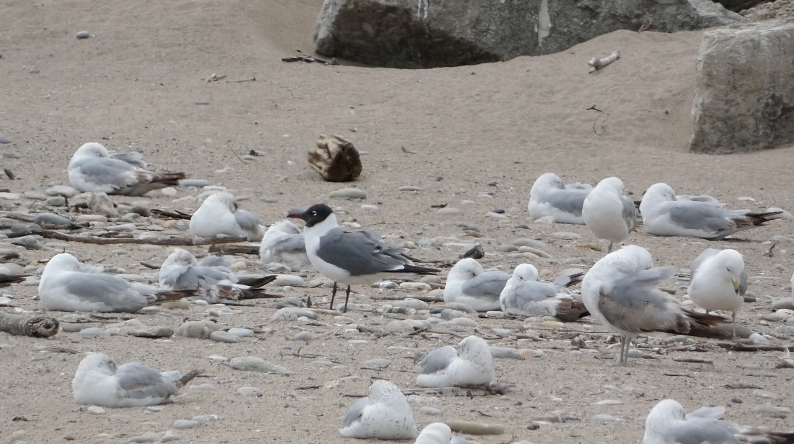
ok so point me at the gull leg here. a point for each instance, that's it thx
(347, 296)
(609, 250)
(624, 350)
(333, 295)
(733, 316)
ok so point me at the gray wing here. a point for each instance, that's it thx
(702, 199)
(634, 303)
(629, 212)
(696, 430)
(359, 252)
(489, 283)
(698, 216)
(355, 412)
(579, 186)
(217, 261)
(105, 171)
(293, 244)
(247, 220)
(131, 158)
(110, 290)
(191, 277)
(569, 201)
(139, 381)
(528, 291)
(437, 360)
(708, 253)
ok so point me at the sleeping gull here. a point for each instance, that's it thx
(664, 214)
(620, 292)
(350, 257)
(468, 284)
(211, 277)
(668, 423)
(283, 243)
(468, 364)
(549, 196)
(68, 285)
(609, 213)
(719, 281)
(99, 381)
(383, 414)
(438, 433)
(93, 169)
(219, 215)
(525, 294)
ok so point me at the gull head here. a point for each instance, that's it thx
(547, 181)
(92, 149)
(63, 262)
(731, 266)
(380, 390)
(464, 270)
(613, 183)
(285, 226)
(222, 198)
(178, 258)
(662, 415)
(525, 272)
(472, 346)
(658, 193)
(314, 215)
(97, 361)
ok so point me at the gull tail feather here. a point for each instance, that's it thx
(174, 295)
(418, 270)
(572, 311)
(187, 377)
(702, 325)
(256, 281)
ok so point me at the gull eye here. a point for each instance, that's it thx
(314, 213)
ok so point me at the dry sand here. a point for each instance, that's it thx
(465, 131)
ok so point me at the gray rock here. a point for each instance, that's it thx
(62, 190)
(56, 201)
(505, 353)
(34, 195)
(151, 332)
(84, 35)
(198, 183)
(182, 424)
(141, 438)
(292, 313)
(751, 105)
(350, 193)
(29, 242)
(170, 436)
(304, 336)
(241, 332)
(100, 204)
(448, 210)
(249, 392)
(254, 364)
(223, 336)
(91, 332)
(427, 34)
(197, 329)
(376, 364)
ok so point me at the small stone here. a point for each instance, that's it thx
(61, 190)
(34, 195)
(9, 196)
(153, 409)
(206, 418)
(151, 332)
(249, 392)
(371, 208)
(526, 242)
(290, 280)
(292, 314)
(409, 188)
(430, 411)
(506, 248)
(376, 364)
(241, 332)
(95, 410)
(29, 242)
(448, 211)
(736, 400)
(56, 201)
(168, 192)
(496, 216)
(415, 286)
(142, 438)
(416, 304)
(91, 332)
(254, 364)
(304, 336)
(170, 436)
(197, 329)
(223, 336)
(123, 227)
(505, 353)
(198, 183)
(182, 424)
(350, 193)
(239, 266)
(91, 218)
(83, 35)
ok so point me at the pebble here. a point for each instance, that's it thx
(772, 411)
(385, 285)
(34, 195)
(123, 227)
(305, 336)
(197, 329)
(223, 336)
(505, 353)
(460, 307)
(142, 438)
(506, 248)
(409, 188)
(526, 242)
(416, 304)
(206, 418)
(7, 302)
(217, 358)
(95, 410)
(254, 364)
(182, 424)
(170, 436)
(534, 251)
(468, 202)
(241, 332)
(151, 332)
(92, 218)
(91, 332)
(29, 242)
(415, 286)
(464, 322)
(62, 190)
(496, 216)
(376, 364)
(369, 208)
(448, 210)
(736, 400)
(56, 201)
(4, 140)
(249, 392)
(292, 314)
(566, 235)
(350, 193)
(780, 304)
(430, 411)
(83, 35)
(153, 409)
(9, 196)
(283, 280)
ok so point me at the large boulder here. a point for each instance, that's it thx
(744, 91)
(427, 34)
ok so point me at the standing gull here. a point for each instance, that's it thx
(350, 257)
(468, 364)
(468, 284)
(68, 285)
(525, 294)
(550, 196)
(93, 169)
(609, 213)
(219, 215)
(383, 414)
(212, 278)
(620, 292)
(664, 214)
(719, 281)
(99, 381)
(283, 243)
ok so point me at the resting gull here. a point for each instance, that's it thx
(383, 414)
(468, 284)
(219, 215)
(609, 213)
(468, 364)
(549, 196)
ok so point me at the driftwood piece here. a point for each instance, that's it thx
(335, 158)
(171, 241)
(235, 249)
(38, 326)
(736, 346)
(596, 64)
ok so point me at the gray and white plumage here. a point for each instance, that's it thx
(620, 291)
(467, 364)
(220, 214)
(665, 214)
(609, 213)
(468, 284)
(719, 281)
(550, 196)
(383, 414)
(211, 277)
(439, 433)
(68, 285)
(94, 169)
(98, 381)
(283, 243)
(525, 294)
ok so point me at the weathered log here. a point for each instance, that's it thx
(235, 249)
(170, 241)
(335, 158)
(38, 326)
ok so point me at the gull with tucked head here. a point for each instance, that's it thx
(220, 214)
(283, 243)
(383, 414)
(68, 285)
(550, 196)
(468, 364)
(99, 381)
(525, 294)
(609, 213)
(719, 281)
(93, 169)
(468, 284)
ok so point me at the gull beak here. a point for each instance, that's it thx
(297, 213)
(735, 286)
